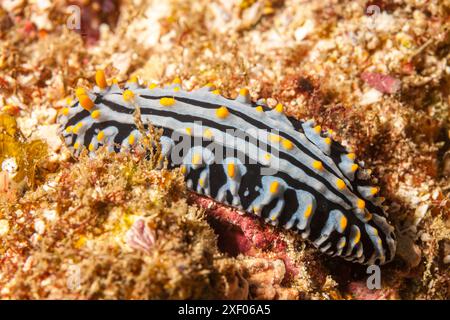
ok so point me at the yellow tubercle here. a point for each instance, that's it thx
(351, 156)
(100, 135)
(189, 131)
(357, 238)
(340, 184)
(279, 108)
(208, 134)
(317, 165)
(69, 129)
(259, 109)
(317, 129)
(128, 95)
(65, 111)
(76, 145)
(361, 204)
(91, 147)
(308, 211)
(327, 140)
(167, 102)
(231, 170)
(152, 86)
(354, 167)
(244, 92)
(177, 80)
(100, 79)
(274, 187)
(222, 112)
(131, 139)
(133, 79)
(95, 114)
(80, 92)
(197, 159)
(77, 127)
(86, 102)
(217, 92)
(287, 144)
(374, 190)
(183, 169)
(176, 89)
(343, 223)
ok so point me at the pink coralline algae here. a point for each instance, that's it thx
(140, 236)
(381, 82)
(243, 234)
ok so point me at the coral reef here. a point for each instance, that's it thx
(114, 227)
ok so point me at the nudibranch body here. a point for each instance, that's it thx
(246, 155)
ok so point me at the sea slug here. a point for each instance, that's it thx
(244, 154)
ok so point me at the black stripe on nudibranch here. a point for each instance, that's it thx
(244, 154)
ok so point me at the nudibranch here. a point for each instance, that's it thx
(244, 154)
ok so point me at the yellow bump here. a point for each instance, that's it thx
(361, 204)
(115, 81)
(222, 112)
(317, 165)
(354, 167)
(357, 238)
(375, 231)
(201, 182)
(167, 102)
(231, 170)
(131, 139)
(274, 138)
(152, 86)
(86, 102)
(209, 85)
(183, 169)
(279, 108)
(308, 211)
(342, 243)
(374, 190)
(76, 145)
(133, 79)
(327, 140)
(100, 79)
(91, 147)
(274, 217)
(80, 92)
(68, 100)
(317, 129)
(176, 89)
(340, 184)
(267, 156)
(196, 159)
(217, 91)
(77, 127)
(330, 131)
(287, 144)
(176, 81)
(274, 187)
(128, 95)
(65, 111)
(69, 129)
(243, 92)
(343, 223)
(208, 134)
(259, 109)
(189, 131)
(351, 156)
(100, 135)
(95, 114)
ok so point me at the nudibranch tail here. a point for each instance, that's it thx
(289, 172)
